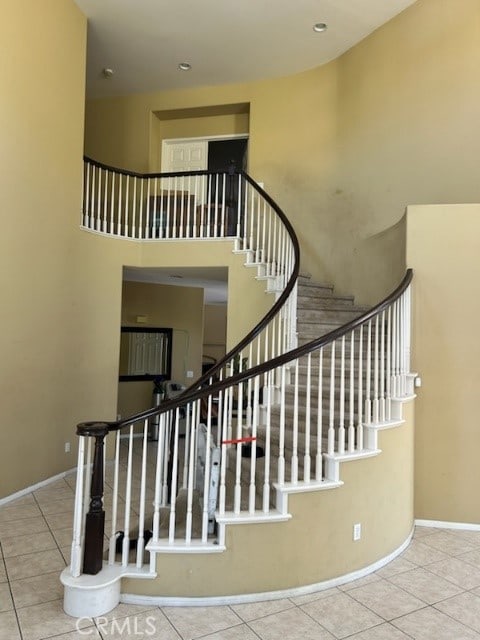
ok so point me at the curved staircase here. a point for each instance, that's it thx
(308, 388)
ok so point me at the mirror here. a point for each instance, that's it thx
(145, 353)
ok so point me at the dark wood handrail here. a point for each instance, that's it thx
(86, 428)
(192, 394)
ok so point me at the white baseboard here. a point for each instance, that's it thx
(163, 601)
(35, 487)
(442, 524)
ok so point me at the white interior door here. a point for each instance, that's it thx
(185, 156)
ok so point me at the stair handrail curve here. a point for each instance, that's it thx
(197, 392)
(378, 339)
(222, 365)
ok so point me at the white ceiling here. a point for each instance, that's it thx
(143, 41)
(213, 280)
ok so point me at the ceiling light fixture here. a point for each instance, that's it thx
(107, 72)
(319, 27)
(184, 66)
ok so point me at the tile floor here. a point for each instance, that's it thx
(430, 592)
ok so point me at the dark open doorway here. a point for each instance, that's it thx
(223, 154)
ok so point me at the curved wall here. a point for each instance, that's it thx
(316, 544)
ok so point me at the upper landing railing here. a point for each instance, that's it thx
(205, 205)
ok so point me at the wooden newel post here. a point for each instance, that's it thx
(95, 518)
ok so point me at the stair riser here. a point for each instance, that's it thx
(340, 316)
(327, 302)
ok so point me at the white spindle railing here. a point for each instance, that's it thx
(276, 424)
(342, 377)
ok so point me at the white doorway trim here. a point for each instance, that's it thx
(172, 141)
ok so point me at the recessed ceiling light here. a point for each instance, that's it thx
(107, 72)
(319, 27)
(184, 66)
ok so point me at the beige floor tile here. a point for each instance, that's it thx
(48, 619)
(255, 610)
(240, 632)
(27, 499)
(342, 615)
(399, 565)
(32, 525)
(419, 532)
(58, 506)
(125, 610)
(9, 626)
(34, 564)
(386, 600)
(193, 622)
(472, 557)
(3, 573)
(422, 554)
(425, 585)
(465, 608)
(19, 512)
(293, 624)
(354, 584)
(81, 635)
(44, 496)
(36, 590)
(60, 520)
(430, 624)
(316, 595)
(21, 545)
(460, 573)
(63, 537)
(448, 543)
(383, 632)
(66, 552)
(472, 537)
(6, 602)
(149, 624)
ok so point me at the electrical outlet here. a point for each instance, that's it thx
(357, 532)
(189, 374)
(67, 447)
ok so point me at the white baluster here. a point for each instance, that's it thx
(381, 407)
(368, 400)
(306, 458)
(281, 445)
(112, 550)
(253, 448)
(360, 393)
(157, 501)
(141, 517)
(191, 473)
(351, 395)
(388, 369)
(375, 408)
(341, 428)
(319, 456)
(266, 477)
(105, 207)
(173, 492)
(128, 501)
(78, 513)
(331, 417)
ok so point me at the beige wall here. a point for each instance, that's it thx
(215, 125)
(41, 122)
(390, 123)
(215, 331)
(378, 493)
(443, 249)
